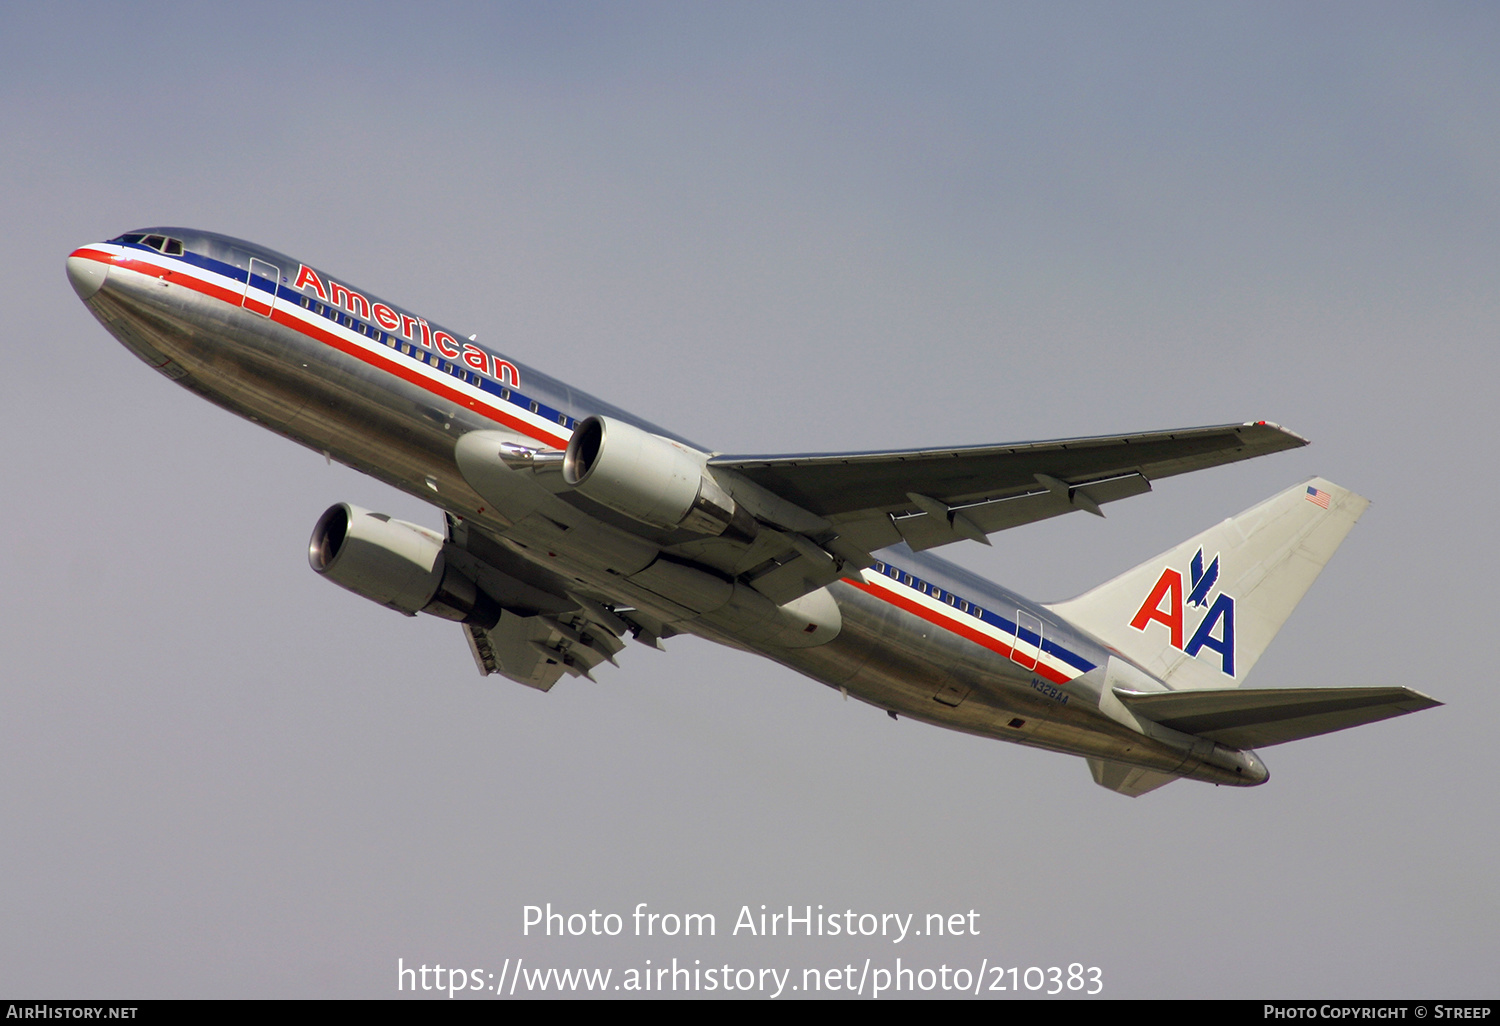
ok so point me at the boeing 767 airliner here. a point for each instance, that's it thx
(569, 524)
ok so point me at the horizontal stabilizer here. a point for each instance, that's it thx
(1258, 718)
(1131, 781)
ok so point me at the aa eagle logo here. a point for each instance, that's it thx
(1166, 605)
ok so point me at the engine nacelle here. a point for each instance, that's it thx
(650, 479)
(396, 564)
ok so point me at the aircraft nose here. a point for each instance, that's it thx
(87, 269)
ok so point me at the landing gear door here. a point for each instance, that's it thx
(260, 287)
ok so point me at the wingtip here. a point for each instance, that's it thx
(1423, 701)
(1296, 439)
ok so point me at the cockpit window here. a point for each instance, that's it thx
(160, 243)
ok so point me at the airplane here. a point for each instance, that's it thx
(569, 524)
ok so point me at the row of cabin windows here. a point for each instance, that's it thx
(435, 359)
(895, 574)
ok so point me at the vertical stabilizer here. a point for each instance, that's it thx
(1201, 614)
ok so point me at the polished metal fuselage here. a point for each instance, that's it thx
(399, 429)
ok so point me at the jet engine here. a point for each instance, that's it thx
(397, 564)
(650, 479)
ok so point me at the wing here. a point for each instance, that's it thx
(810, 520)
(929, 497)
(545, 628)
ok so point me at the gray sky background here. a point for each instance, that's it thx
(771, 228)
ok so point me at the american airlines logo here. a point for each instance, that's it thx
(414, 329)
(1166, 605)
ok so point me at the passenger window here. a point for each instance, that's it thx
(533, 406)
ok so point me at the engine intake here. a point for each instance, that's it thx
(650, 479)
(399, 565)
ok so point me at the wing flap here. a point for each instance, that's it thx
(931, 528)
(1259, 718)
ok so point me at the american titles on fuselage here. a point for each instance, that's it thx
(413, 329)
(262, 276)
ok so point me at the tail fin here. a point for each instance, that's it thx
(1201, 614)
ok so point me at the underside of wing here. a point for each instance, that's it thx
(929, 497)
(545, 629)
(1259, 718)
(537, 650)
